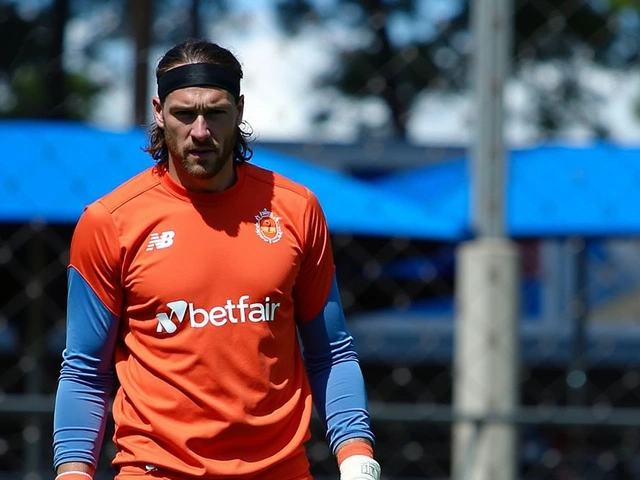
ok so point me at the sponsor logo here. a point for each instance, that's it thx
(231, 312)
(370, 470)
(161, 240)
(268, 226)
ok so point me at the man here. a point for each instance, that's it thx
(194, 282)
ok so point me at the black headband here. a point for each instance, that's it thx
(199, 75)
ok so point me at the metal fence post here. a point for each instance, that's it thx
(486, 362)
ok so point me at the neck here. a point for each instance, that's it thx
(217, 182)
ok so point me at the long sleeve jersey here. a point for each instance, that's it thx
(196, 302)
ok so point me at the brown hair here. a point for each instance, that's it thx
(197, 51)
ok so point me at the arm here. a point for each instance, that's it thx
(331, 361)
(338, 389)
(85, 381)
(86, 375)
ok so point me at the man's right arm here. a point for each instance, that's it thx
(85, 380)
(94, 300)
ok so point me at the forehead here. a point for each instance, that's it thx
(199, 96)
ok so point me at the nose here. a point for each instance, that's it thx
(199, 128)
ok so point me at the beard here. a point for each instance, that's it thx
(204, 165)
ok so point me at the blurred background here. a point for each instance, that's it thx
(479, 165)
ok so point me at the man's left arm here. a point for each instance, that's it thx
(338, 389)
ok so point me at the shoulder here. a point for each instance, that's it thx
(131, 189)
(281, 185)
(289, 198)
(101, 213)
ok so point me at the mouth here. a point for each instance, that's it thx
(201, 152)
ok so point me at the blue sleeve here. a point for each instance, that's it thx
(86, 376)
(337, 385)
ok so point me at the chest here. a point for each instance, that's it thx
(207, 261)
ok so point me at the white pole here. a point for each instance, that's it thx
(486, 359)
(486, 363)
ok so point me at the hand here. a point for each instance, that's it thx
(359, 467)
(74, 475)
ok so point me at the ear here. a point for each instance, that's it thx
(157, 111)
(240, 106)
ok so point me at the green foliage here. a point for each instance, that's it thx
(30, 71)
(617, 4)
(398, 72)
(29, 96)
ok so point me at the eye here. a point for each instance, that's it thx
(215, 112)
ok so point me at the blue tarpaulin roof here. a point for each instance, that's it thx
(50, 171)
(551, 190)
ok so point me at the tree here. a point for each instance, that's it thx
(31, 67)
(556, 32)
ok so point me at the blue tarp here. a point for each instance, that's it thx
(50, 171)
(551, 190)
(357, 207)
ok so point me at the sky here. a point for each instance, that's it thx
(281, 97)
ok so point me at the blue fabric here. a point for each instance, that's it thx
(71, 164)
(336, 380)
(86, 376)
(550, 190)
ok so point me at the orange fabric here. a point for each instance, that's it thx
(208, 288)
(136, 472)
(354, 448)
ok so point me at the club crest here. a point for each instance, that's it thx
(268, 226)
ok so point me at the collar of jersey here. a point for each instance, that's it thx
(200, 198)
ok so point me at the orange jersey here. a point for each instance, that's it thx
(208, 289)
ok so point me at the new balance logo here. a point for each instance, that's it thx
(161, 240)
(230, 312)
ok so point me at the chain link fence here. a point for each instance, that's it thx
(580, 296)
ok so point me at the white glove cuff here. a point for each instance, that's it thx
(359, 467)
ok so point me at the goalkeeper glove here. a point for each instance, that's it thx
(359, 467)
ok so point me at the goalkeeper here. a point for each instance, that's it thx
(205, 286)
